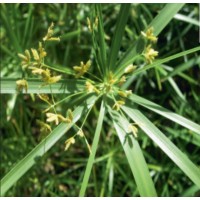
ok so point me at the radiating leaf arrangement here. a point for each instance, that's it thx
(102, 79)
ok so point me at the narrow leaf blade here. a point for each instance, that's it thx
(93, 151)
(118, 34)
(166, 113)
(8, 86)
(135, 157)
(102, 43)
(178, 157)
(165, 60)
(165, 16)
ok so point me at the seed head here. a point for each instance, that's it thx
(149, 35)
(22, 84)
(69, 142)
(118, 105)
(82, 69)
(150, 54)
(130, 68)
(133, 129)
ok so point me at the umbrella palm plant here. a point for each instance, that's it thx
(103, 81)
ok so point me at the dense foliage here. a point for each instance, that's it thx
(173, 84)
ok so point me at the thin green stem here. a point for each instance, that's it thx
(58, 102)
(52, 99)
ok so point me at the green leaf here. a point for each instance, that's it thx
(58, 68)
(28, 161)
(70, 35)
(172, 82)
(182, 67)
(28, 25)
(188, 19)
(190, 192)
(183, 134)
(7, 22)
(93, 151)
(6, 50)
(67, 86)
(118, 34)
(101, 35)
(176, 88)
(134, 155)
(166, 113)
(164, 17)
(164, 60)
(109, 166)
(179, 158)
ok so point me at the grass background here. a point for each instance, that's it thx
(60, 173)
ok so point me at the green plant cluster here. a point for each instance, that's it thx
(94, 129)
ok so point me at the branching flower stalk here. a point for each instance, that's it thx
(109, 86)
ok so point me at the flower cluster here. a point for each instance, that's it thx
(33, 60)
(149, 52)
(72, 140)
(22, 84)
(45, 75)
(57, 118)
(92, 26)
(132, 129)
(118, 105)
(69, 142)
(91, 88)
(149, 35)
(45, 129)
(82, 69)
(26, 59)
(50, 32)
(130, 69)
